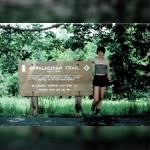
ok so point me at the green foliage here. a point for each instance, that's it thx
(39, 55)
(12, 84)
(90, 51)
(127, 48)
(54, 53)
(10, 106)
(129, 59)
(19, 106)
(9, 85)
(67, 55)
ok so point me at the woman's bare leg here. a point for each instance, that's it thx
(101, 95)
(96, 96)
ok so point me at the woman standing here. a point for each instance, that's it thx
(101, 79)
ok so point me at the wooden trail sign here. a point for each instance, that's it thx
(55, 78)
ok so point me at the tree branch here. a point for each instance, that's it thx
(8, 27)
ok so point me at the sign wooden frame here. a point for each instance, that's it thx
(55, 78)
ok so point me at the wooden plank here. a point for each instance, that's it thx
(34, 105)
(55, 78)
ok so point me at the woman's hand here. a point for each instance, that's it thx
(109, 77)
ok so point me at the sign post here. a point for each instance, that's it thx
(54, 79)
(34, 105)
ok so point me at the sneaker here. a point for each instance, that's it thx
(97, 111)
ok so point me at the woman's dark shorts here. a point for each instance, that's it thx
(100, 80)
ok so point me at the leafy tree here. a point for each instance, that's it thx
(127, 48)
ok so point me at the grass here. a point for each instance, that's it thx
(20, 106)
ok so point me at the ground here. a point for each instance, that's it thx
(76, 120)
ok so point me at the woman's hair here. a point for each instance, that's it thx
(100, 48)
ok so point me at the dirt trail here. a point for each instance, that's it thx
(70, 121)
